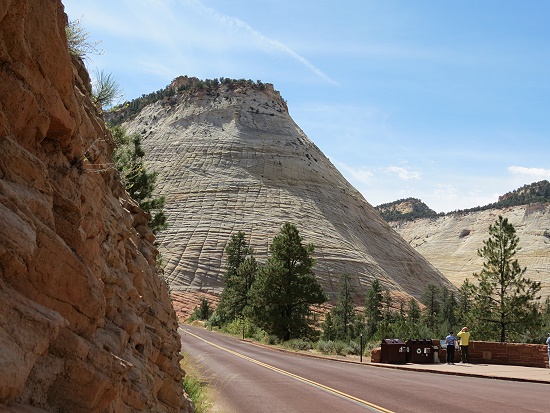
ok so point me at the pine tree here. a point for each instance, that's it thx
(343, 314)
(464, 312)
(430, 298)
(241, 269)
(373, 308)
(203, 311)
(237, 250)
(506, 301)
(387, 301)
(413, 311)
(286, 287)
(328, 328)
(447, 317)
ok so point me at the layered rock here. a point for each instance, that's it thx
(230, 158)
(451, 242)
(86, 324)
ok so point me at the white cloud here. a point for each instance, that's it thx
(358, 175)
(265, 42)
(188, 32)
(403, 173)
(535, 173)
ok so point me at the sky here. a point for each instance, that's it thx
(445, 101)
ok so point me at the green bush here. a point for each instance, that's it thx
(271, 339)
(354, 347)
(105, 89)
(298, 344)
(341, 348)
(251, 330)
(326, 346)
(214, 320)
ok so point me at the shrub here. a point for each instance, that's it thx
(354, 347)
(341, 348)
(326, 346)
(105, 89)
(77, 40)
(271, 339)
(298, 344)
(241, 327)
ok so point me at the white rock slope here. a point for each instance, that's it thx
(232, 159)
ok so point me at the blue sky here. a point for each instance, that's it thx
(446, 101)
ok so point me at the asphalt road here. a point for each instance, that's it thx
(252, 379)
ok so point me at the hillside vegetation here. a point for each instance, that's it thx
(179, 86)
(407, 209)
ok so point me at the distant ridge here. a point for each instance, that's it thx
(410, 209)
(451, 241)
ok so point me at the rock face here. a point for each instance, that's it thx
(230, 158)
(86, 325)
(451, 242)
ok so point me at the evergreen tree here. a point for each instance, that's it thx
(413, 311)
(138, 181)
(343, 314)
(328, 328)
(506, 301)
(373, 308)
(203, 311)
(237, 250)
(286, 287)
(387, 301)
(447, 317)
(465, 296)
(430, 298)
(241, 269)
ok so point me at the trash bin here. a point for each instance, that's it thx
(393, 351)
(420, 351)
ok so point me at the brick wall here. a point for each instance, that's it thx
(517, 354)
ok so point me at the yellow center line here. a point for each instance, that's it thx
(294, 376)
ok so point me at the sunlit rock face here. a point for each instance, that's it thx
(451, 242)
(230, 158)
(86, 324)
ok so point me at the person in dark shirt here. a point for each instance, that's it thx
(450, 341)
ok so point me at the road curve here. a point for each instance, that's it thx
(251, 379)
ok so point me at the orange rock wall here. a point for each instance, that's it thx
(86, 324)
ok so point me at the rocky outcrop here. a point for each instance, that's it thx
(86, 324)
(405, 210)
(451, 242)
(230, 158)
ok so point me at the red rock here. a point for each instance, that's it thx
(84, 314)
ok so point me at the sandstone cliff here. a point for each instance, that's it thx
(230, 158)
(86, 325)
(451, 242)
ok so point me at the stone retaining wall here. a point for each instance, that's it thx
(516, 354)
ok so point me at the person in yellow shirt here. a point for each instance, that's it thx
(464, 337)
